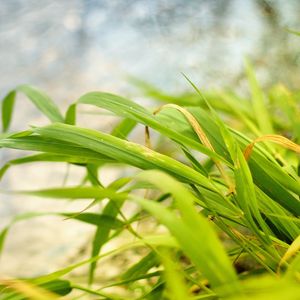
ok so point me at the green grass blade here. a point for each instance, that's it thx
(259, 105)
(3, 235)
(124, 151)
(42, 102)
(48, 157)
(193, 232)
(7, 109)
(101, 220)
(54, 147)
(112, 209)
(37, 97)
(176, 286)
(71, 115)
(123, 128)
(76, 193)
(129, 109)
(141, 267)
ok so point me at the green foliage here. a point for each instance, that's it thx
(231, 221)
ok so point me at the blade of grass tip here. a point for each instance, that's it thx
(7, 109)
(92, 173)
(37, 97)
(198, 91)
(70, 117)
(278, 139)
(228, 139)
(259, 105)
(43, 102)
(75, 193)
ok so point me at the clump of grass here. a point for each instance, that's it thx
(231, 218)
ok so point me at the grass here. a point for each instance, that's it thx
(231, 217)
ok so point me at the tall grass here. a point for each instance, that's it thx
(231, 217)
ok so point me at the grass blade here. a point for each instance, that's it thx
(191, 231)
(259, 105)
(37, 97)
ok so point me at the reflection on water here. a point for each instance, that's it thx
(70, 47)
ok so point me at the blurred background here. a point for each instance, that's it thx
(69, 47)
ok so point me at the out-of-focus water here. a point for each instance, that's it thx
(68, 47)
(71, 47)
